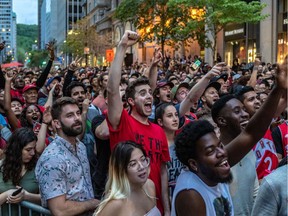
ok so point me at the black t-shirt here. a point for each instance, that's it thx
(103, 155)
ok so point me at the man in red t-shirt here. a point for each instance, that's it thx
(136, 126)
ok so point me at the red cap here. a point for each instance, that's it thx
(29, 86)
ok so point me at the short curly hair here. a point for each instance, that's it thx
(130, 90)
(185, 142)
(219, 105)
(68, 91)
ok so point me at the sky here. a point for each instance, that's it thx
(26, 11)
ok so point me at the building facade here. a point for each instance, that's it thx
(7, 30)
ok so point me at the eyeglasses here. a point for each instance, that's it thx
(134, 164)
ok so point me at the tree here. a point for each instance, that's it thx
(170, 21)
(153, 19)
(218, 14)
(38, 58)
(84, 35)
(26, 36)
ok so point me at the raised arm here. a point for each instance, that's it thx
(152, 70)
(73, 66)
(253, 80)
(12, 119)
(41, 80)
(46, 120)
(197, 90)
(2, 79)
(114, 101)
(260, 122)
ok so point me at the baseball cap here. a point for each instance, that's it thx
(176, 87)
(215, 85)
(223, 76)
(50, 80)
(162, 83)
(29, 86)
(236, 76)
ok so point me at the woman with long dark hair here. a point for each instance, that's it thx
(17, 169)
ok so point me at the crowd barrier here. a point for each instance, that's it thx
(29, 208)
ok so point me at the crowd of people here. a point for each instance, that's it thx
(171, 138)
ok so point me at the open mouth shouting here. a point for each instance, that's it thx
(243, 124)
(148, 106)
(224, 166)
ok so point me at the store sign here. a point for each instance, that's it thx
(109, 55)
(234, 32)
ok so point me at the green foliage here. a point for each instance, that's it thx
(8, 59)
(154, 20)
(37, 58)
(169, 21)
(26, 36)
(83, 36)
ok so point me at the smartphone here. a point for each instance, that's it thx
(36, 127)
(196, 64)
(17, 191)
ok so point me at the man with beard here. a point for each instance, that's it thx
(231, 118)
(77, 91)
(63, 168)
(136, 126)
(203, 188)
(208, 98)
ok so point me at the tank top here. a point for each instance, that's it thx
(153, 212)
(217, 198)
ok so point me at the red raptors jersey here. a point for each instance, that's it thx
(266, 156)
(284, 135)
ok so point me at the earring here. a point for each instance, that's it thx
(196, 169)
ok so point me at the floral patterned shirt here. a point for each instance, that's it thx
(62, 170)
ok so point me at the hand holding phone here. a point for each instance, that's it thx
(196, 64)
(16, 192)
(36, 127)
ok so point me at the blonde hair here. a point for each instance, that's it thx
(118, 185)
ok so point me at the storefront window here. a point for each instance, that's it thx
(282, 46)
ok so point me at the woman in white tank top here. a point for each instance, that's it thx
(128, 189)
